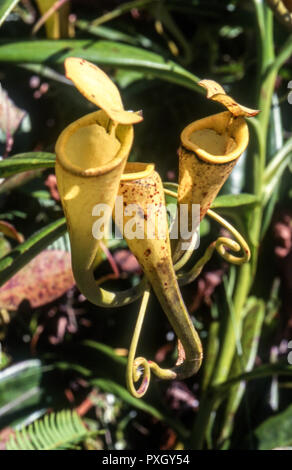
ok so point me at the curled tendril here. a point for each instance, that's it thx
(133, 373)
(239, 244)
(187, 255)
(139, 369)
(187, 278)
(221, 245)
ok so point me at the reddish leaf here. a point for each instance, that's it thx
(44, 279)
(10, 231)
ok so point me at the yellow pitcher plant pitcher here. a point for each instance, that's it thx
(93, 173)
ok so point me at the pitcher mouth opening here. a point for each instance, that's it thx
(217, 139)
(86, 148)
(137, 170)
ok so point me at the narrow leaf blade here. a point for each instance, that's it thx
(25, 162)
(5, 9)
(99, 52)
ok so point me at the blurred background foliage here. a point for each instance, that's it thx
(59, 352)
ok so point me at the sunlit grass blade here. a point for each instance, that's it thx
(108, 53)
(25, 162)
(5, 8)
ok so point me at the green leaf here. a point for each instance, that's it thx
(23, 253)
(56, 431)
(111, 34)
(275, 431)
(121, 9)
(19, 385)
(269, 210)
(234, 200)
(4, 246)
(5, 9)
(267, 370)
(211, 352)
(108, 53)
(251, 333)
(5, 360)
(276, 168)
(107, 350)
(25, 162)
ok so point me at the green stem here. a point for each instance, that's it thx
(208, 406)
(266, 75)
(248, 270)
(211, 353)
(120, 10)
